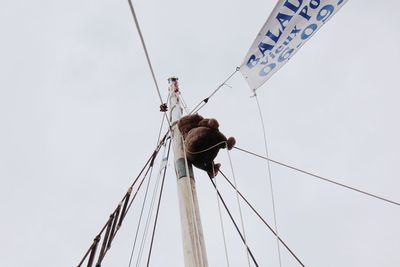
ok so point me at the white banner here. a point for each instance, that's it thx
(290, 25)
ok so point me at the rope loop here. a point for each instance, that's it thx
(204, 150)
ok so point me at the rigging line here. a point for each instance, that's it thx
(133, 198)
(149, 161)
(165, 116)
(204, 150)
(262, 219)
(115, 212)
(140, 217)
(147, 225)
(234, 223)
(145, 49)
(239, 206)
(220, 218)
(269, 176)
(320, 177)
(183, 102)
(144, 198)
(158, 206)
(203, 102)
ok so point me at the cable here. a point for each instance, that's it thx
(220, 218)
(269, 176)
(234, 223)
(147, 225)
(204, 150)
(144, 199)
(320, 177)
(239, 206)
(262, 219)
(183, 102)
(202, 103)
(149, 162)
(145, 49)
(140, 218)
(158, 207)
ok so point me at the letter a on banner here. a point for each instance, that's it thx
(290, 25)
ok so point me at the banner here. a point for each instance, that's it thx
(290, 25)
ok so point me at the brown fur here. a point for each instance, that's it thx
(200, 136)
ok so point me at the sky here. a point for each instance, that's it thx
(79, 117)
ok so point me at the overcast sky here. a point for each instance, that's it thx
(79, 116)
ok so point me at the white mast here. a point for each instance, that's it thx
(192, 233)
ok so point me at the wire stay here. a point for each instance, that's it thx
(262, 219)
(239, 206)
(220, 218)
(113, 224)
(158, 204)
(234, 223)
(144, 198)
(320, 177)
(145, 49)
(203, 102)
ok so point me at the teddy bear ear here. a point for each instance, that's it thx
(231, 142)
(213, 124)
(203, 123)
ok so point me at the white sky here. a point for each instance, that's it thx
(79, 116)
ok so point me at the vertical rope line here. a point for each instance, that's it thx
(262, 219)
(158, 205)
(140, 217)
(188, 184)
(220, 217)
(145, 195)
(270, 179)
(239, 206)
(144, 237)
(234, 223)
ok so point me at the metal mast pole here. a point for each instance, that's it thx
(192, 233)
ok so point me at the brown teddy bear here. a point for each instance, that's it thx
(203, 140)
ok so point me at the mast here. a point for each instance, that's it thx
(192, 233)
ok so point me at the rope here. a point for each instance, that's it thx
(145, 197)
(239, 206)
(320, 177)
(145, 49)
(149, 162)
(183, 102)
(140, 218)
(202, 103)
(147, 225)
(220, 219)
(234, 223)
(202, 151)
(269, 176)
(262, 219)
(158, 206)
